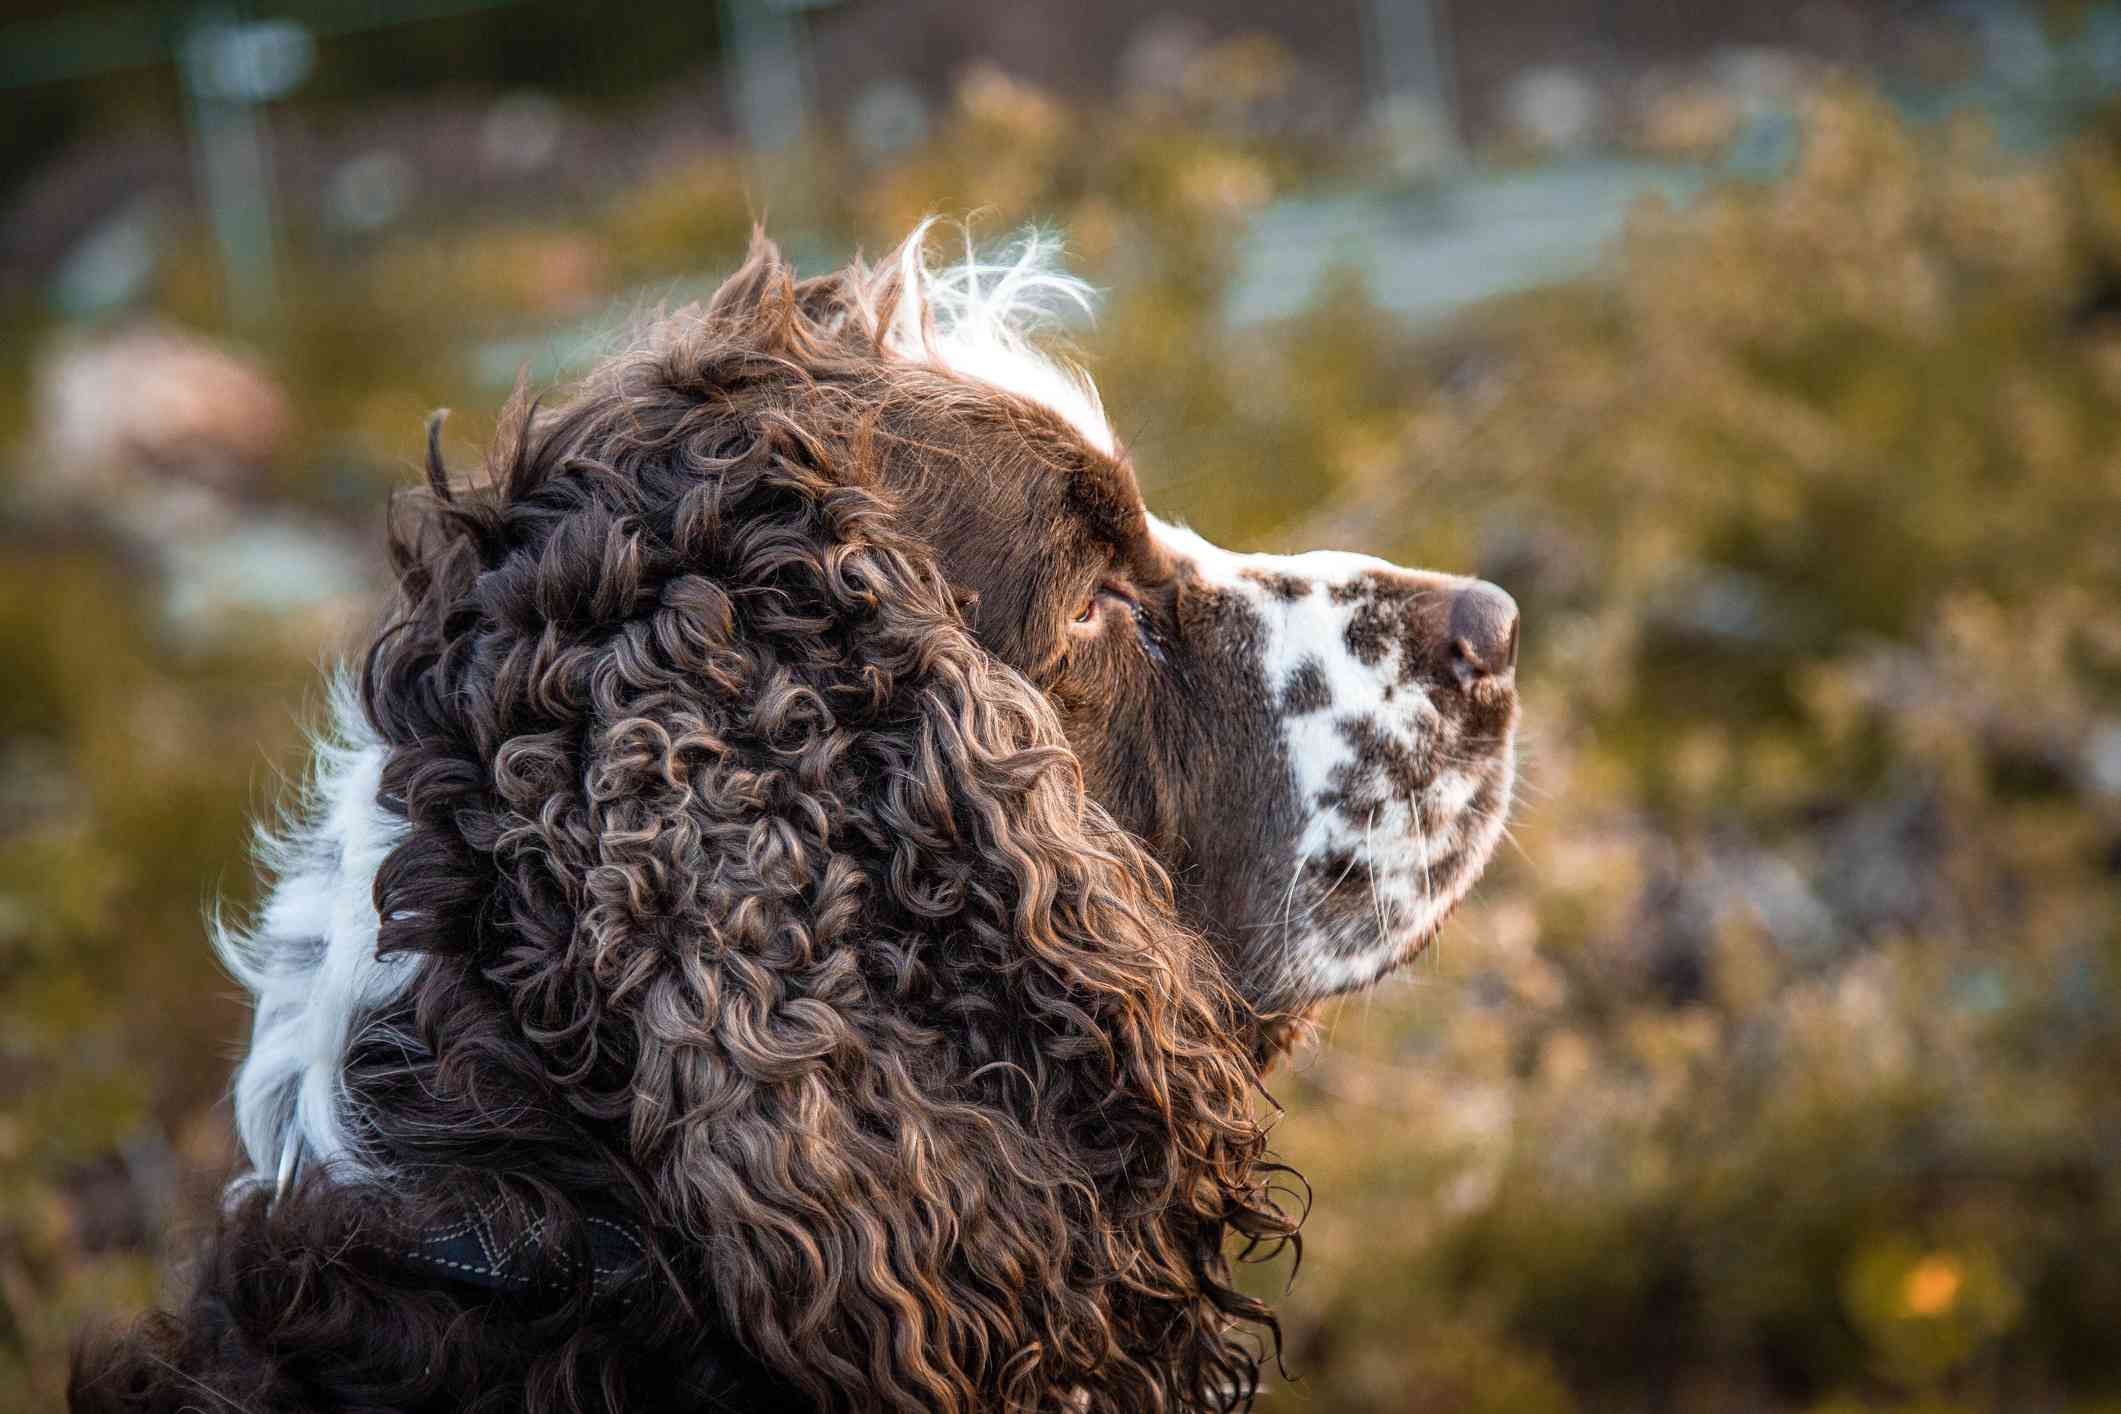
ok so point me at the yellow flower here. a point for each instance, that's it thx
(1932, 1285)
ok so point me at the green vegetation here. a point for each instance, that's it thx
(1773, 1070)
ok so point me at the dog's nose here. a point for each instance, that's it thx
(1483, 632)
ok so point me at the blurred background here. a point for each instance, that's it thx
(1769, 353)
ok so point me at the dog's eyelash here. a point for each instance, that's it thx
(1149, 633)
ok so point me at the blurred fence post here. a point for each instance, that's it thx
(230, 69)
(1415, 83)
(767, 61)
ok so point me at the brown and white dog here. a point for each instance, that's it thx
(793, 910)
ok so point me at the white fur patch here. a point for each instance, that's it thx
(977, 319)
(309, 959)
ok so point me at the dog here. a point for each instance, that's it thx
(799, 896)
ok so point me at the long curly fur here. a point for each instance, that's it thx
(759, 906)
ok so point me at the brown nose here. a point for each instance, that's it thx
(1483, 633)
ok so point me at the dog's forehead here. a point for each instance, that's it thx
(1031, 476)
(1072, 506)
(1102, 490)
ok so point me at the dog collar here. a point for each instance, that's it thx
(470, 1253)
(721, 1377)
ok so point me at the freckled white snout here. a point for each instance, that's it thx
(1483, 633)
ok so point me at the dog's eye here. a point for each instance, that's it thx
(1091, 617)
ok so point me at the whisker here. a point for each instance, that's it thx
(1428, 882)
(1289, 898)
(1384, 931)
(1286, 920)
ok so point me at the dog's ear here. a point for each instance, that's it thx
(919, 1051)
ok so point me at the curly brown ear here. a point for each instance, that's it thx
(799, 892)
(945, 1080)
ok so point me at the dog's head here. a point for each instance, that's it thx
(807, 776)
(1317, 747)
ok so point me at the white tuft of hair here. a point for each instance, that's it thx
(309, 958)
(977, 319)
